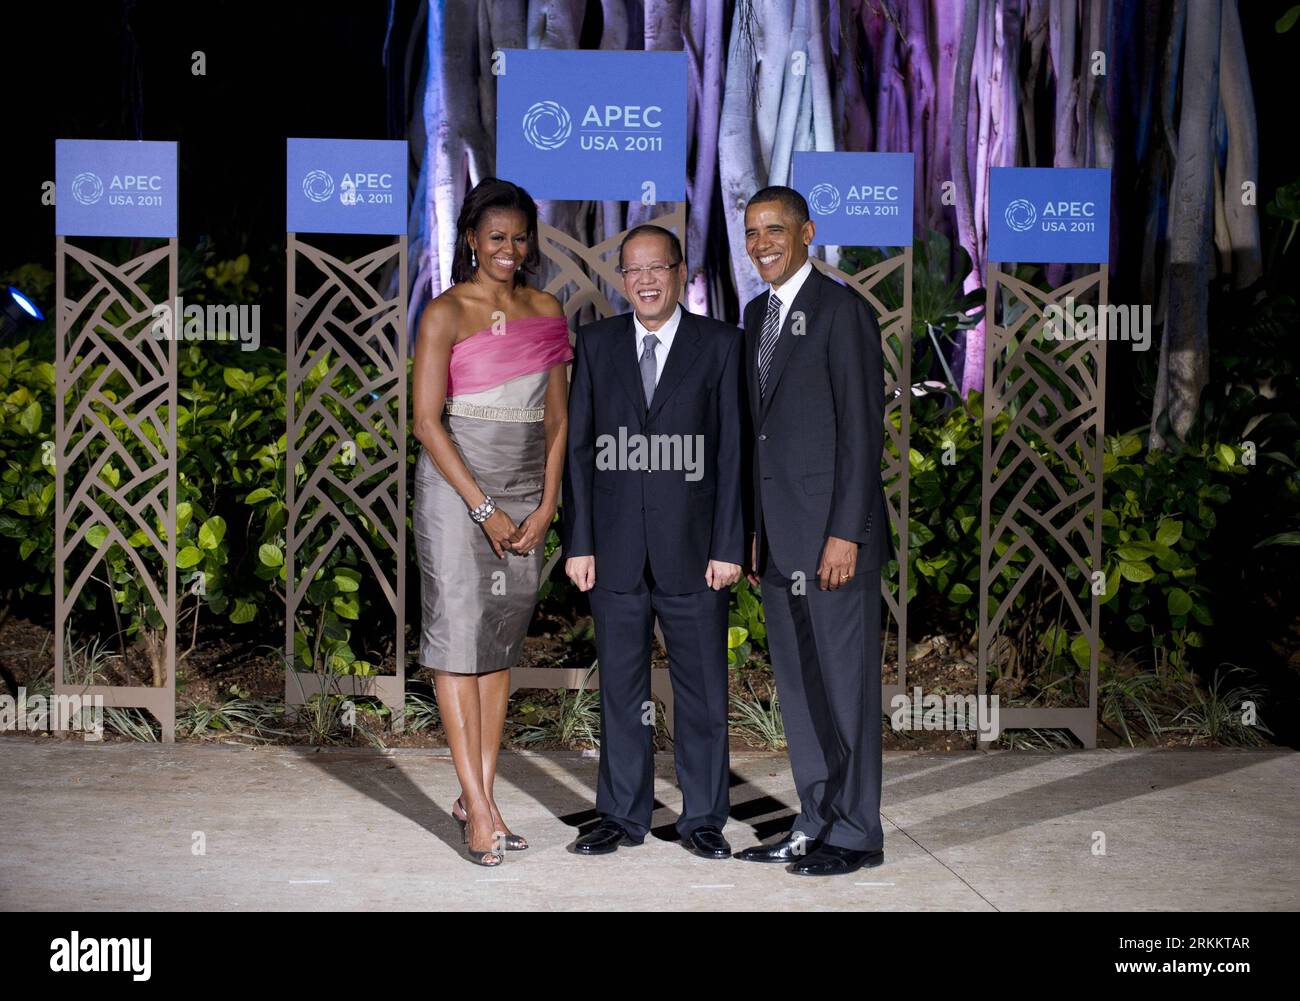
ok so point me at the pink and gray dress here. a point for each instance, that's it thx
(477, 607)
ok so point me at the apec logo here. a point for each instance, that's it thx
(133, 189)
(1049, 214)
(361, 188)
(87, 188)
(539, 117)
(317, 186)
(1020, 215)
(115, 188)
(630, 128)
(862, 199)
(857, 199)
(1058, 217)
(824, 198)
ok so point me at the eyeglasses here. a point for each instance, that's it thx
(652, 270)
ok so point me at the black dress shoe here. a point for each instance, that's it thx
(831, 860)
(792, 848)
(607, 837)
(707, 842)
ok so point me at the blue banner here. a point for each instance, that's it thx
(593, 124)
(111, 187)
(857, 199)
(345, 186)
(1049, 215)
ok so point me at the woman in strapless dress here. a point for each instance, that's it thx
(490, 403)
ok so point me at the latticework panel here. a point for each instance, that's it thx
(1042, 496)
(346, 440)
(115, 472)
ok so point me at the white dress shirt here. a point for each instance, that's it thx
(790, 289)
(665, 334)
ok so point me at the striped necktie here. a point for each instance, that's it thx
(767, 342)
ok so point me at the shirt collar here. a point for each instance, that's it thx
(664, 333)
(793, 284)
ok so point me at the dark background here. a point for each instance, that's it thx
(114, 70)
(121, 70)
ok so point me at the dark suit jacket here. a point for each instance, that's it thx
(622, 516)
(818, 434)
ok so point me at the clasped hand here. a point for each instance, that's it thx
(521, 539)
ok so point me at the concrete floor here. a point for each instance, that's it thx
(119, 826)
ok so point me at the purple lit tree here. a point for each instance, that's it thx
(1159, 92)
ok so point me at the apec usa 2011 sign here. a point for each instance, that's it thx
(593, 124)
(857, 199)
(111, 187)
(345, 186)
(1057, 215)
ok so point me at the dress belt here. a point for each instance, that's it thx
(518, 415)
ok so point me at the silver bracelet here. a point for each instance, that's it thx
(484, 511)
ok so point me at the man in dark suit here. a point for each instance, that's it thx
(653, 526)
(815, 383)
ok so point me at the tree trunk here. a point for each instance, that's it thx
(961, 169)
(1062, 18)
(920, 72)
(741, 123)
(1192, 208)
(1238, 104)
(947, 19)
(501, 26)
(769, 26)
(706, 31)
(787, 41)
(851, 104)
(663, 25)
(1035, 38)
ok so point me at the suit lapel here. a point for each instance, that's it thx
(681, 358)
(625, 364)
(803, 303)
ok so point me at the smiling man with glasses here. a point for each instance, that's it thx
(649, 540)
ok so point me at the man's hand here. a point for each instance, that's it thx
(720, 575)
(839, 561)
(752, 575)
(582, 571)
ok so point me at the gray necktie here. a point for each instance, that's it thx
(767, 342)
(649, 375)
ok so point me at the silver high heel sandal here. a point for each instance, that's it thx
(478, 858)
(511, 842)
